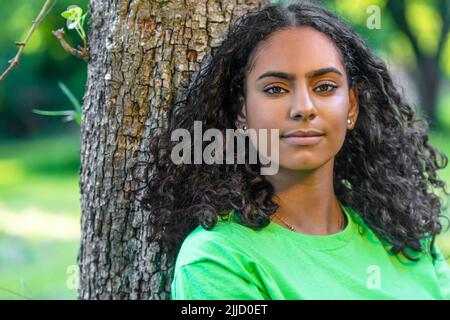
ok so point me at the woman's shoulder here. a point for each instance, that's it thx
(227, 238)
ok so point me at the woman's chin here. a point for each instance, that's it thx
(301, 165)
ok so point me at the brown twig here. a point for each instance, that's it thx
(81, 52)
(15, 61)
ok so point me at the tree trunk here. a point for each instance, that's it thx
(142, 53)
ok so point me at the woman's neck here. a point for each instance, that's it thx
(307, 201)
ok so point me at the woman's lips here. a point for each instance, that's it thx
(302, 141)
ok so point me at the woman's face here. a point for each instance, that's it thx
(309, 92)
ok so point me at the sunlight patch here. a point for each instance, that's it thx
(33, 223)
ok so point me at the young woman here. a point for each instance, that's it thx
(352, 212)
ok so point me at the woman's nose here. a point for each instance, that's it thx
(302, 106)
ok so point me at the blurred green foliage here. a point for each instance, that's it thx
(39, 217)
(39, 156)
(34, 83)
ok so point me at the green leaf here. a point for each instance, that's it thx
(78, 118)
(83, 18)
(71, 24)
(69, 115)
(53, 113)
(70, 96)
(73, 13)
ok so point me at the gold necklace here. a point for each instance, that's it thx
(341, 223)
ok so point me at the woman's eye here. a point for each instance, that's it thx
(326, 87)
(275, 90)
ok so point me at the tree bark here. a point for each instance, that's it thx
(143, 52)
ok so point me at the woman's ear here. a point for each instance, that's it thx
(354, 107)
(242, 114)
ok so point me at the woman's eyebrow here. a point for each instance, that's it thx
(291, 76)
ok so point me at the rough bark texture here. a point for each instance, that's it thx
(142, 53)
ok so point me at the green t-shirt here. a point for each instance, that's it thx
(233, 261)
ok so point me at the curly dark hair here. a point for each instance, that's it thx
(385, 171)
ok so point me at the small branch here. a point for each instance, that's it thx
(81, 52)
(15, 61)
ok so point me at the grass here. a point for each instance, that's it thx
(39, 218)
(37, 268)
